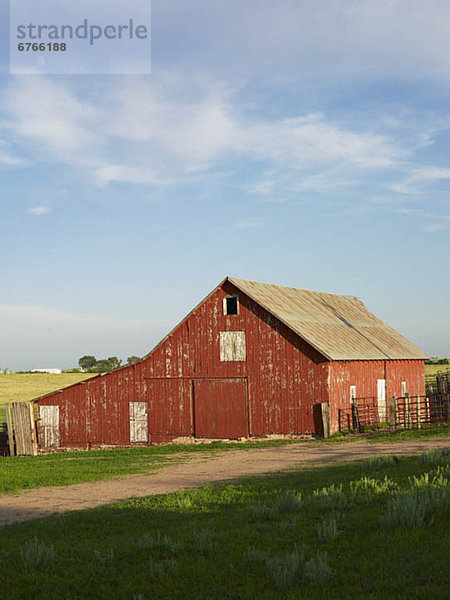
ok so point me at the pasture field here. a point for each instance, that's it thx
(433, 370)
(20, 387)
(376, 528)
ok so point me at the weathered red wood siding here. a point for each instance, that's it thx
(95, 412)
(364, 375)
(220, 408)
(284, 378)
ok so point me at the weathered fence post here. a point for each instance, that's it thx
(33, 430)
(10, 430)
(407, 412)
(393, 414)
(325, 408)
(355, 418)
(419, 413)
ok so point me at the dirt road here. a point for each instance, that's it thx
(197, 470)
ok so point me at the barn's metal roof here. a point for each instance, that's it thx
(339, 327)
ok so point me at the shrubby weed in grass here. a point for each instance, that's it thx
(287, 501)
(317, 570)
(102, 558)
(366, 489)
(437, 478)
(261, 512)
(435, 455)
(157, 568)
(203, 541)
(327, 530)
(379, 462)
(36, 555)
(329, 497)
(163, 544)
(411, 508)
(285, 571)
(288, 524)
(255, 556)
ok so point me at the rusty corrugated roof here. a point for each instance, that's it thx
(339, 327)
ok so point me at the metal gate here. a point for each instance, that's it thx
(220, 408)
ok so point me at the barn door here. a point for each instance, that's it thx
(220, 408)
(138, 422)
(49, 426)
(381, 395)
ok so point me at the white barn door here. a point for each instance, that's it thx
(381, 395)
(49, 426)
(138, 422)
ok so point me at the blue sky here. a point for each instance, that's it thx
(300, 143)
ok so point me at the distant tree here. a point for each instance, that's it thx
(437, 361)
(105, 365)
(88, 363)
(133, 359)
(102, 366)
(114, 362)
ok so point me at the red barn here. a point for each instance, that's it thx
(252, 359)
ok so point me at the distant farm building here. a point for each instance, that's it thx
(251, 360)
(51, 371)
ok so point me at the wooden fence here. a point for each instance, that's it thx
(18, 435)
(407, 412)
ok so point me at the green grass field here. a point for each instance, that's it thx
(20, 387)
(59, 469)
(27, 472)
(371, 529)
(433, 370)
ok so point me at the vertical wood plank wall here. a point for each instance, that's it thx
(285, 377)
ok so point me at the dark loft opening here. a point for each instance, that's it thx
(232, 306)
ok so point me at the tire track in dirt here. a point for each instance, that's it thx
(195, 471)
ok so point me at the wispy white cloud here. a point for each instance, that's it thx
(51, 122)
(418, 177)
(154, 135)
(429, 221)
(439, 223)
(7, 157)
(38, 211)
